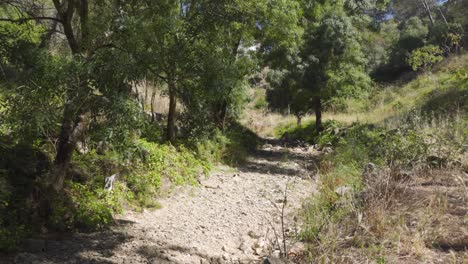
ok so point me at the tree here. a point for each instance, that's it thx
(413, 35)
(327, 65)
(287, 93)
(457, 12)
(83, 79)
(334, 62)
(405, 9)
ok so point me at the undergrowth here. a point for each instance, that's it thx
(366, 209)
(143, 172)
(360, 182)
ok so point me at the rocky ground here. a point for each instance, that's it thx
(234, 216)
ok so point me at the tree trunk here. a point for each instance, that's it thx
(153, 98)
(220, 115)
(146, 96)
(443, 16)
(428, 11)
(71, 118)
(171, 130)
(66, 146)
(318, 113)
(299, 120)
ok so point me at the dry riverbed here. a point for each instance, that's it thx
(234, 216)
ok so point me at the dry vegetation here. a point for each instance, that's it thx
(395, 190)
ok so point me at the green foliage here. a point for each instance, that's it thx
(405, 9)
(377, 44)
(231, 147)
(363, 143)
(446, 36)
(87, 207)
(425, 57)
(259, 99)
(17, 38)
(335, 59)
(138, 182)
(56, 92)
(307, 132)
(458, 13)
(413, 34)
(394, 148)
(329, 66)
(287, 94)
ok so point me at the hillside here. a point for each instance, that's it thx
(394, 189)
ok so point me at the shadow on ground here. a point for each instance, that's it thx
(282, 158)
(77, 248)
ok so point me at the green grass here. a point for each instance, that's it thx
(443, 91)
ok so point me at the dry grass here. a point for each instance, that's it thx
(264, 123)
(419, 221)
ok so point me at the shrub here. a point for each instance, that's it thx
(94, 209)
(424, 58)
(180, 165)
(85, 207)
(308, 132)
(261, 103)
(18, 182)
(230, 147)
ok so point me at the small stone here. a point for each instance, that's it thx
(343, 190)
(297, 249)
(228, 249)
(258, 251)
(261, 243)
(276, 253)
(327, 150)
(252, 234)
(245, 248)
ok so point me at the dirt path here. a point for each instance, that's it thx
(231, 218)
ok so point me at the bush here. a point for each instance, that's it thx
(261, 103)
(424, 58)
(230, 147)
(308, 132)
(180, 165)
(85, 208)
(140, 170)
